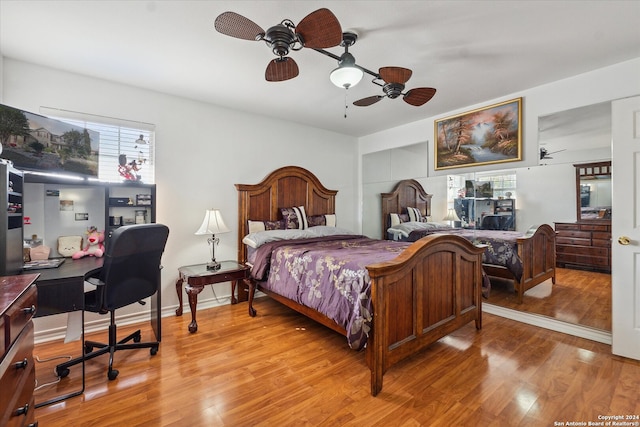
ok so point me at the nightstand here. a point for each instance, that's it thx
(196, 277)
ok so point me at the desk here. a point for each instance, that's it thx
(197, 276)
(61, 290)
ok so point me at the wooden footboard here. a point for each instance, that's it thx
(433, 288)
(537, 251)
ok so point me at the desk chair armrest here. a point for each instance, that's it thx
(94, 281)
(99, 294)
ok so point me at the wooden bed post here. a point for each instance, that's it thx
(375, 342)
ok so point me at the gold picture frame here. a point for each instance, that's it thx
(486, 135)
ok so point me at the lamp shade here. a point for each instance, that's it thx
(346, 76)
(451, 215)
(212, 223)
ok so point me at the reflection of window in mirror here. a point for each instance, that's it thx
(503, 183)
(477, 197)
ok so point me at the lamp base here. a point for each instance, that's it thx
(213, 265)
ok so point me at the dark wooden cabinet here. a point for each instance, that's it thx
(584, 245)
(18, 301)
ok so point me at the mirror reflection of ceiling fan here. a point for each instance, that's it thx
(320, 30)
(545, 154)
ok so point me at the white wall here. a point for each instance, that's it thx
(545, 193)
(202, 150)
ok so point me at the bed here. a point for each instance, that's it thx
(432, 288)
(534, 260)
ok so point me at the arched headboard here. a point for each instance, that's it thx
(286, 187)
(407, 193)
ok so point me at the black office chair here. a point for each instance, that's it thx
(130, 273)
(490, 222)
(507, 223)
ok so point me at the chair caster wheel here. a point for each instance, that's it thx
(112, 374)
(88, 349)
(62, 372)
(137, 337)
(153, 351)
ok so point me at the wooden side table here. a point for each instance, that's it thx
(196, 277)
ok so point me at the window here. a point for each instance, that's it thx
(125, 149)
(502, 183)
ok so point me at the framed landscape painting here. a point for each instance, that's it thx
(491, 134)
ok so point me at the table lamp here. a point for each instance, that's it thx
(212, 224)
(451, 216)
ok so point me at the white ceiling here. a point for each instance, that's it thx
(470, 51)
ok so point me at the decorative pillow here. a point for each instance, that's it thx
(395, 219)
(69, 245)
(414, 214)
(317, 220)
(294, 218)
(39, 253)
(255, 226)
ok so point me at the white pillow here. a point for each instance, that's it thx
(395, 219)
(330, 220)
(256, 226)
(259, 238)
(414, 214)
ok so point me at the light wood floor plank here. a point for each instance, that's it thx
(282, 369)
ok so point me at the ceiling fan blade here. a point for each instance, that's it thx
(419, 96)
(234, 25)
(320, 29)
(543, 153)
(395, 74)
(281, 69)
(365, 102)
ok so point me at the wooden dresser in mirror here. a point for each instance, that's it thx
(586, 243)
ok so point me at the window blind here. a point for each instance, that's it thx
(501, 183)
(125, 148)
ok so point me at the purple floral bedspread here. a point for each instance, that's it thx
(502, 247)
(327, 274)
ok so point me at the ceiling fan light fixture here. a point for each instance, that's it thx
(346, 76)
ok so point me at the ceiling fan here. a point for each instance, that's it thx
(319, 30)
(545, 154)
(392, 80)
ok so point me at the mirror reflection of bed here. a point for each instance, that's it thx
(580, 297)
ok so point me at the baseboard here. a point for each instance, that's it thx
(102, 324)
(549, 323)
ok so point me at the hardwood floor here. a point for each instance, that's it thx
(281, 369)
(579, 297)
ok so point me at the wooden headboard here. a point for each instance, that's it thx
(286, 187)
(407, 193)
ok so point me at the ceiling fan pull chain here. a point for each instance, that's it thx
(346, 105)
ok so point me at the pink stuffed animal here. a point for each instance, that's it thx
(94, 245)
